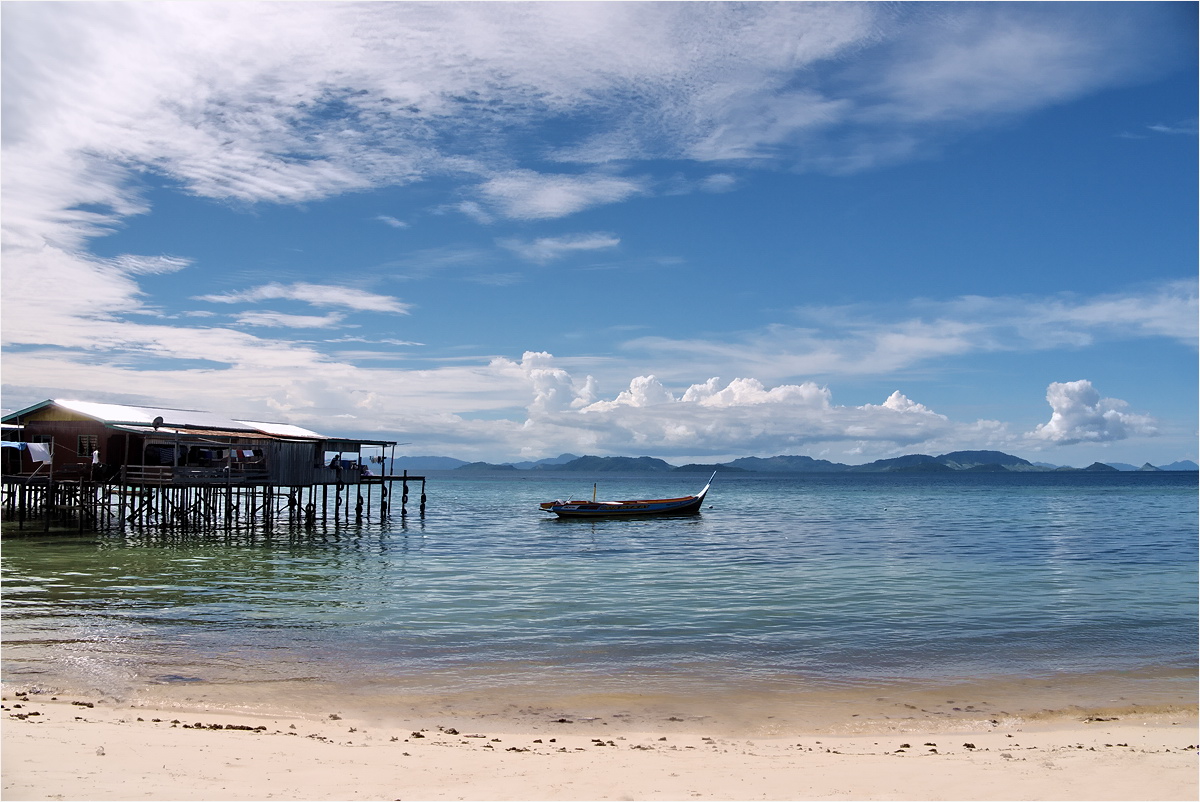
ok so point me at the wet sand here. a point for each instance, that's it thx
(187, 743)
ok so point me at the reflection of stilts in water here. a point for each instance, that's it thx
(164, 502)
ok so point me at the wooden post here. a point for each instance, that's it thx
(404, 494)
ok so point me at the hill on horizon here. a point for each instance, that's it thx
(974, 461)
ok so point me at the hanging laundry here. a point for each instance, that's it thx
(39, 452)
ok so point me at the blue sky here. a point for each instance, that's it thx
(695, 231)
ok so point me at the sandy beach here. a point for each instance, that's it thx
(89, 748)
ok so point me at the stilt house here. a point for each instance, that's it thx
(155, 445)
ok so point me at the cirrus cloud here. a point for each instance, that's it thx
(281, 320)
(315, 294)
(547, 249)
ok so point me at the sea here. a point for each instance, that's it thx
(804, 594)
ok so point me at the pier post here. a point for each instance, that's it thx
(124, 492)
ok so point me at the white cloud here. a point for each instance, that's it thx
(526, 195)
(148, 265)
(391, 221)
(1081, 415)
(475, 211)
(1186, 128)
(741, 417)
(383, 341)
(990, 63)
(290, 103)
(877, 340)
(315, 294)
(644, 391)
(748, 392)
(719, 182)
(553, 388)
(280, 320)
(1168, 311)
(746, 417)
(262, 102)
(547, 249)
(898, 402)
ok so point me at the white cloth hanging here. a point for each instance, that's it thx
(39, 452)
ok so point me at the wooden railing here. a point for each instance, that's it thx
(167, 475)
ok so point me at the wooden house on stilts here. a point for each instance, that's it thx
(110, 466)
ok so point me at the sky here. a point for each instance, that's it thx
(694, 231)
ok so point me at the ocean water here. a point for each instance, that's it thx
(815, 583)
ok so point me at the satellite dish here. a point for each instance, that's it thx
(157, 422)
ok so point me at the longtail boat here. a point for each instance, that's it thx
(685, 505)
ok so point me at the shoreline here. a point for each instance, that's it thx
(730, 705)
(169, 746)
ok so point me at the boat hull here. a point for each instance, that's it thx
(685, 505)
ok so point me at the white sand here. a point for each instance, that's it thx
(59, 749)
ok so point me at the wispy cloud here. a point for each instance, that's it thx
(524, 112)
(281, 320)
(315, 294)
(148, 265)
(368, 341)
(878, 340)
(1187, 128)
(547, 249)
(527, 195)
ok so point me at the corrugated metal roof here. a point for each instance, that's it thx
(122, 413)
(197, 421)
(283, 430)
(167, 432)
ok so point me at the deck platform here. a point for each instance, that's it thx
(183, 499)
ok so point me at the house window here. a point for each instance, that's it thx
(87, 444)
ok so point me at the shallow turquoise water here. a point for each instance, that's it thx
(814, 580)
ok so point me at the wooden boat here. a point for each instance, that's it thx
(685, 505)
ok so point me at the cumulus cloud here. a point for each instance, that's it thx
(644, 391)
(748, 392)
(554, 390)
(1081, 415)
(745, 416)
(741, 416)
(524, 112)
(898, 402)
(315, 294)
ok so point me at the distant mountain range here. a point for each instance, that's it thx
(973, 461)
